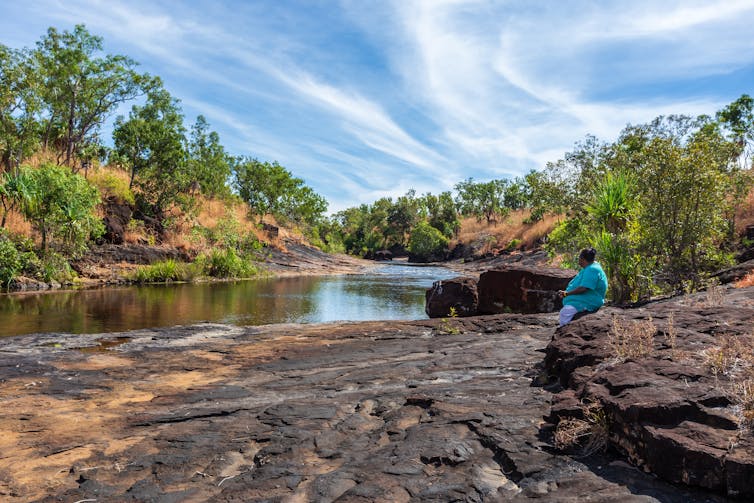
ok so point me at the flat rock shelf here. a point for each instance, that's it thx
(432, 410)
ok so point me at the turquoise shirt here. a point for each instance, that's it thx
(593, 278)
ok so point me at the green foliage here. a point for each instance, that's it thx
(112, 187)
(686, 185)
(226, 264)
(661, 202)
(737, 119)
(150, 143)
(20, 105)
(228, 233)
(209, 165)
(10, 261)
(163, 272)
(52, 267)
(60, 205)
(441, 213)
(481, 199)
(569, 237)
(269, 188)
(426, 242)
(612, 201)
(80, 89)
(513, 244)
(402, 216)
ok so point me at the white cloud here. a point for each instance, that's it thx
(421, 94)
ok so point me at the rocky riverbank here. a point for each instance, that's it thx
(109, 264)
(434, 410)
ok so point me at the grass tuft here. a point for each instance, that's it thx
(587, 435)
(632, 339)
(163, 272)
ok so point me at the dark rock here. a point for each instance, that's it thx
(668, 412)
(750, 232)
(457, 293)
(24, 284)
(383, 255)
(522, 289)
(372, 411)
(117, 217)
(398, 250)
(438, 256)
(272, 230)
(734, 273)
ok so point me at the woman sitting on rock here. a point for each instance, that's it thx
(585, 292)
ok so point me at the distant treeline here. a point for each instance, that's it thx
(658, 204)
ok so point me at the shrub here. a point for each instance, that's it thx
(10, 261)
(60, 205)
(226, 264)
(590, 434)
(426, 242)
(513, 244)
(112, 186)
(54, 267)
(163, 272)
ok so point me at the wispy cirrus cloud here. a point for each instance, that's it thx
(368, 98)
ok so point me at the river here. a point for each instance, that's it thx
(390, 291)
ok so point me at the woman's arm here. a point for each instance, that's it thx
(575, 291)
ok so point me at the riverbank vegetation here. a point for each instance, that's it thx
(663, 203)
(160, 182)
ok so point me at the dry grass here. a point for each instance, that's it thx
(15, 223)
(714, 296)
(731, 362)
(731, 357)
(632, 339)
(743, 391)
(587, 435)
(745, 214)
(498, 236)
(746, 281)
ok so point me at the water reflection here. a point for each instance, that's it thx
(387, 292)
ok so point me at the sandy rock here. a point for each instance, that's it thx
(378, 411)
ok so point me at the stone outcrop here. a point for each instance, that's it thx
(117, 217)
(679, 408)
(522, 289)
(735, 273)
(457, 294)
(355, 412)
(383, 255)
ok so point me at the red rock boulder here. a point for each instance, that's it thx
(457, 293)
(522, 289)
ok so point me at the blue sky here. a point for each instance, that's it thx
(364, 99)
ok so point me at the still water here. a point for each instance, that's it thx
(386, 292)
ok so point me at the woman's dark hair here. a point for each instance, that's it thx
(588, 254)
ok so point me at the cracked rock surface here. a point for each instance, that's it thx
(434, 410)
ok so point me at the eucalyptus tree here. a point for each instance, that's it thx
(209, 164)
(80, 89)
(402, 217)
(481, 199)
(270, 189)
(737, 120)
(150, 143)
(441, 213)
(20, 106)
